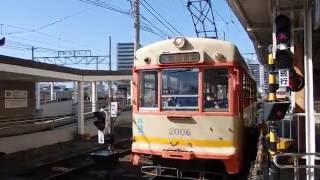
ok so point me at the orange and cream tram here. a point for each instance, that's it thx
(193, 99)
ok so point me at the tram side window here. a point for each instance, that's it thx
(248, 91)
(245, 93)
(215, 89)
(149, 89)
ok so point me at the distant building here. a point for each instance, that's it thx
(260, 75)
(125, 55)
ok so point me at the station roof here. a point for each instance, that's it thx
(12, 68)
(257, 18)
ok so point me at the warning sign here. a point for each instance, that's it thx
(114, 109)
(100, 137)
(283, 77)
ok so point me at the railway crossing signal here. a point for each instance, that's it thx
(284, 57)
(101, 120)
(275, 110)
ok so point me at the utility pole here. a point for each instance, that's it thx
(109, 53)
(32, 53)
(109, 82)
(136, 25)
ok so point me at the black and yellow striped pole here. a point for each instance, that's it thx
(273, 138)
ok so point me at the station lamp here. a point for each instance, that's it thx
(101, 120)
(284, 57)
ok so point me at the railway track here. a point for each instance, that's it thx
(79, 164)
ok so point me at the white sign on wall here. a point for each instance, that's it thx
(15, 94)
(100, 137)
(114, 109)
(15, 99)
(15, 103)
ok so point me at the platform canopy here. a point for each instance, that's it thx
(12, 68)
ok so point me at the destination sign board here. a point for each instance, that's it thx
(180, 58)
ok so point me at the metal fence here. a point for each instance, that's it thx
(317, 106)
(293, 127)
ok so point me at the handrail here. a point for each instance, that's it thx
(8, 121)
(296, 157)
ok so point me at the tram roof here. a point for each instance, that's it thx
(209, 47)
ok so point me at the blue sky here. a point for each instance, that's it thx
(72, 24)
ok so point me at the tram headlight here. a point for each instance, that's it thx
(219, 56)
(179, 42)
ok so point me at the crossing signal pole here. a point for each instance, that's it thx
(284, 55)
(280, 62)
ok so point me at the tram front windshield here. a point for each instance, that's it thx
(180, 89)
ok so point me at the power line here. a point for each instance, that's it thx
(19, 45)
(151, 31)
(39, 42)
(106, 5)
(62, 19)
(158, 18)
(162, 17)
(225, 21)
(157, 28)
(47, 25)
(45, 35)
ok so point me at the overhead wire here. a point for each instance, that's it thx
(39, 42)
(24, 46)
(62, 19)
(148, 25)
(111, 7)
(158, 19)
(25, 30)
(106, 5)
(175, 29)
(153, 32)
(165, 34)
(43, 34)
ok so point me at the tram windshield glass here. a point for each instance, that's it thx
(180, 89)
(149, 89)
(215, 89)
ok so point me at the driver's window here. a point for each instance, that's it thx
(149, 89)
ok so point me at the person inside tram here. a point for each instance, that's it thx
(211, 101)
(172, 101)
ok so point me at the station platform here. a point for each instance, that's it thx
(19, 162)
